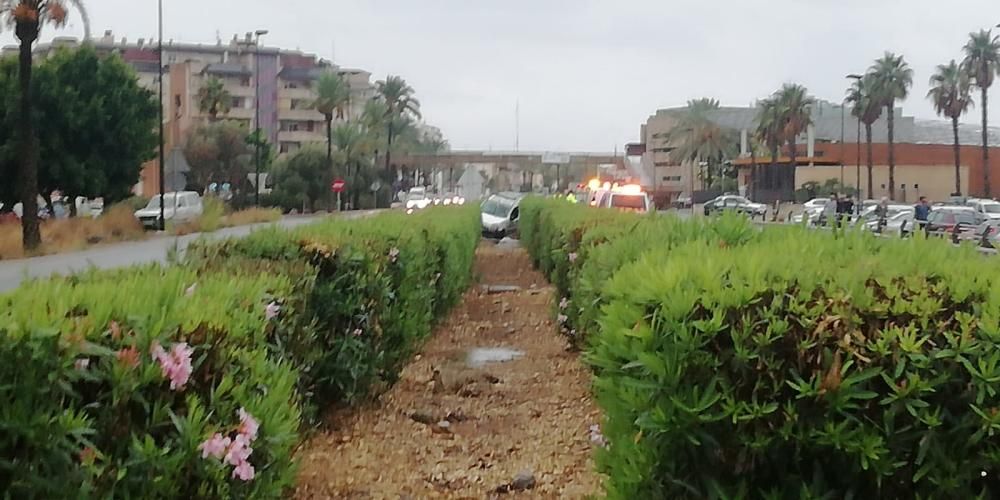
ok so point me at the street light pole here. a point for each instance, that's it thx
(159, 52)
(842, 116)
(858, 168)
(256, 107)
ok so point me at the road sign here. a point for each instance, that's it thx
(555, 158)
(375, 186)
(338, 185)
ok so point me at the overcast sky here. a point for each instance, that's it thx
(587, 73)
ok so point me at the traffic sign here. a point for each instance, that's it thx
(338, 186)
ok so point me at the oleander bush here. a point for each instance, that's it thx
(792, 363)
(196, 380)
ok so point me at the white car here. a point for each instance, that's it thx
(177, 207)
(417, 199)
(500, 214)
(987, 209)
(627, 201)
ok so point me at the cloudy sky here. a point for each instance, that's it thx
(585, 72)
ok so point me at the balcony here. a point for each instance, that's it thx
(300, 93)
(302, 136)
(240, 114)
(300, 115)
(239, 90)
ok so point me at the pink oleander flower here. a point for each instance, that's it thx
(572, 257)
(128, 357)
(189, 291)
(562, 318)
(81, 364)
(564, 303)
(176, 364)
(214, 446)
(394, 254)
(248, 425)
(239, 451)
(596, 437)
(244, 471)
(272, 310)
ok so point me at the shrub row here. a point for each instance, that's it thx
(736, 363)
(195, 380)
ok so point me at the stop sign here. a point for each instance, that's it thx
(337, 186)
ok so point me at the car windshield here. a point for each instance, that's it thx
(630, 201)
(499, 207)
(168, 199)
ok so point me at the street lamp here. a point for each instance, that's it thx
(159, 52)
(858, 171)
(256, 107)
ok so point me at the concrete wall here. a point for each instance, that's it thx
(933, 181)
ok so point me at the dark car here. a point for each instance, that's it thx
(737, 204)
(949, 220)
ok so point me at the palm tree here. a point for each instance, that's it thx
(982, 61)
(697, 139)
(398, 98)
(333, 95)
(354, 148)
(770, 129)
(950, 94)
(892, 79)
(865, 107)
(213, 98)
(795, 112)
(27, 17)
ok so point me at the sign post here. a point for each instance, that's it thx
(337, 186)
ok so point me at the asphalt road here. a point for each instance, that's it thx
(155, 249)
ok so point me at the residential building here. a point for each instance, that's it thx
(284, 80)
(924, 158)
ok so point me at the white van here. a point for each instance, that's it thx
(177, 207)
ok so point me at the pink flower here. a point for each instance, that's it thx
(175, 365)
(214, 446)
(562, 318)
(564, 303)
(572, 257)
(596, 437)
(244, 471)
(272, 310)
(248, 425)
(129, 357)
(81, 364)
(189, 291)
(394, 254)
(239, 450)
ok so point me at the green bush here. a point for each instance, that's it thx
(128, 383)
(791, 363)
(370, 290)
(88, 411)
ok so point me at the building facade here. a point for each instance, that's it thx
(284, 81)
(923, 152)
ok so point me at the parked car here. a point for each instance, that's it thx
(812, 210)
(417, 199)
(900, 222)
(735, 203)
(177, 207)
(986, 234)
(500, 214)
(986, 209)
(945, 220)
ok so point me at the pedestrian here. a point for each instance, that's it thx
(831, 210)
(922, 210)
(570, 197)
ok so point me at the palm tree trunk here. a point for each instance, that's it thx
(986, 148)
(793, 162)
(31, 234)
(892, 149)
(329, 140)
(958, 168)
(753, 174)
(388, 148)
(868, 136)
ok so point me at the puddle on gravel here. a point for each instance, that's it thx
(480, 356)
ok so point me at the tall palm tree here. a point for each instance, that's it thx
(214, 99)
(950, 94)
(697, 139)
(769, 130)
(333, 96)
(892, 79)
(795, 111)
(398, 98)
(868, 109)
(28, 17)
(982, 61)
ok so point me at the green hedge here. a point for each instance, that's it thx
(102, 398)
(788, 363)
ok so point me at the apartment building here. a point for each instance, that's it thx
(283, 80)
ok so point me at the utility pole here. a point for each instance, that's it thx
(159, 52)
(256, 108)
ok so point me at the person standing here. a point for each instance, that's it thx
(921, 212)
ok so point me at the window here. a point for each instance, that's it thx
(237, 102)
(310, 126)
(291, 85)
(299, 104)
(287, 126)
(665, 164)
(671, 178)
(289, 147)
(245, 81)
